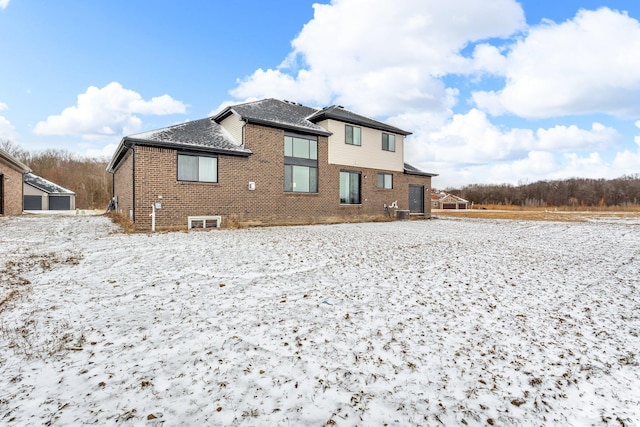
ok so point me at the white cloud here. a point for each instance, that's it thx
(471, 139)
(4, 4)
(386, 60)
(469, 148)
(585, 65)
(489, 59)
(534, 166)
(104, 152)
(571, 137)
(7, 130)
(109, 111)
(627, 162)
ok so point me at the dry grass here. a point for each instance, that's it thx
(569, 214)
(122, 220)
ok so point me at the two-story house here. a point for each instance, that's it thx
(265, 163)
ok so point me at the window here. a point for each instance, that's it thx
(197, 168)
(349, 188)
(301, 148)
(300, 179)
(300, 164)
(385, 180)
(388, 142)
(352, 135)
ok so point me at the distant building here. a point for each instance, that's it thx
(40, 194)
(442, 200)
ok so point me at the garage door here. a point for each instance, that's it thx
(448, 206)
(32, 203)
(59, 203)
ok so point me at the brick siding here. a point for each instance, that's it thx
(230, 197)
(12, 197)
(123, 185)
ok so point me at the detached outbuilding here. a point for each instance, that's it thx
(43, 195)
(442, 200)
(11, 190)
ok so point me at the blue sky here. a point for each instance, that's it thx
(494, 92)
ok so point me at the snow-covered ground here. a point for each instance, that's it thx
(441, 322)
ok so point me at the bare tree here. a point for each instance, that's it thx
(12, 148)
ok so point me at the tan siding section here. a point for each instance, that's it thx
(369, 155)
(234, 125)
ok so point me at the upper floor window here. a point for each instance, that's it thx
(300, 164)
(197, 168)
(388, 142)
(385, 181)
(301, 147)
(352, 135)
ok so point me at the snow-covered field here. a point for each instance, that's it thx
(441, 322)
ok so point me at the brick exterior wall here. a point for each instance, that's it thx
(12, 190)
(268, 204)
(123, 185)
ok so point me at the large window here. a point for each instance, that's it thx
(352, 135)
(301, 148)
(385, 180)
(349, 188)
(300, 179)
(300, 164)
(197, 168)
(388, 142)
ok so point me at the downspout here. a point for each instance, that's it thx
(113, 189)
(133, 183)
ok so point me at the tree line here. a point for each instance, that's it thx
(85, 176)
(623, 192)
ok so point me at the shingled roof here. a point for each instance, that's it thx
(208, 135)
(273, 112)
(44, 185)
(412, 170)
(204, 135)
(338, 112)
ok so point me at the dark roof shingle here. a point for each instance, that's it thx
(337, 112)
(196, 134)
(44, 185)
(273, 112)
(412, 170)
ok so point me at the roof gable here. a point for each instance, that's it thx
(204, 135)
(275, 113)
(196, 134)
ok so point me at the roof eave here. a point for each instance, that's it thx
(420, 173)
(15, 163)
(285, 126)
(118, 155)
